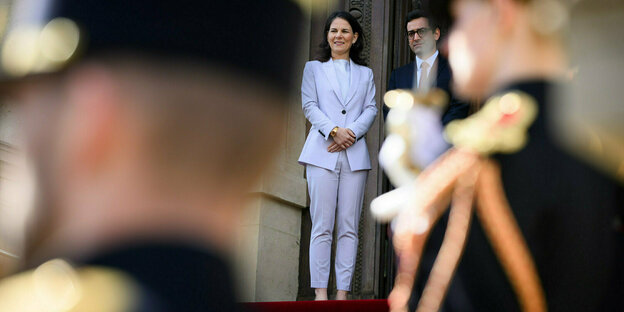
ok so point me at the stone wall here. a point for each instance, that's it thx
(268, 254)
(10, 226)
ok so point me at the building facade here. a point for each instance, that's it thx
(272, 258)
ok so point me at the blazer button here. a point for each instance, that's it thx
(344, 111)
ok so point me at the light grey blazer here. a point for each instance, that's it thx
(324, 107)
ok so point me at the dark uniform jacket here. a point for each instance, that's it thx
(173, 277)
(566, 211)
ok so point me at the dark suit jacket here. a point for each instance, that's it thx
(403, 78)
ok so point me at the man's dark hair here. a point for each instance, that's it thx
(416, 14)
(356, 49)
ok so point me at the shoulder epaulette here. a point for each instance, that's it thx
(499, 127)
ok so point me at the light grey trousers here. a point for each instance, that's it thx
(334, 196)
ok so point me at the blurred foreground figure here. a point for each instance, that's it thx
(147, 124)
(547, 236)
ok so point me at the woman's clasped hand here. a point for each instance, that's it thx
(344, 139)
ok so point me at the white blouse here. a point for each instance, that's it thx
(343, 74)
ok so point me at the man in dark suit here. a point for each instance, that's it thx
(423, 37)
(429, 69)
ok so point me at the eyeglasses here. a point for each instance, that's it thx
(420, 31)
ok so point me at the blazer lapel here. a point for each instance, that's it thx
(355, 79)
(440, 66)
(330, 71)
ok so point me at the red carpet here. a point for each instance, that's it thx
(319, 306)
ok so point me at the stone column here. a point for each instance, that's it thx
(268, 254)
(12, 219)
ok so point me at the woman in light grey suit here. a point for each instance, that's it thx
(338, 98)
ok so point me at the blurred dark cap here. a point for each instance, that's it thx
(439, 12)
(259, 38)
